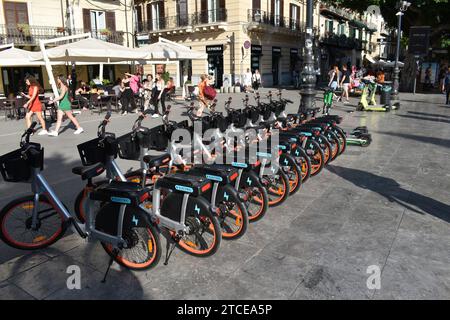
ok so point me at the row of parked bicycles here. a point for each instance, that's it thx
(269, 153)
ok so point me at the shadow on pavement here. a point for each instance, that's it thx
(431, 140)
(429, 114)
(392, 191)
(434, 119)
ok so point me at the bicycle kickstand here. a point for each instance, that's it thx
(111, 260)
(170, 246)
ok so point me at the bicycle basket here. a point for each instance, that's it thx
(129, 147)
(221, 123)
(17, 167)
(158, 139)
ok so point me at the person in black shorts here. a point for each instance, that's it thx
(345, 83)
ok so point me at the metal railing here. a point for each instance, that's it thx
(181, 21)
(342, 41)
(262, 17)
(30, 35)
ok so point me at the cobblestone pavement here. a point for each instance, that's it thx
(387, 206)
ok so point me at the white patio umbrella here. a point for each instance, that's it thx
(91, 50)
(168, 50)
(83, 51)
(14, 57)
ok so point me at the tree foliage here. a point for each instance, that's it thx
(434, 13)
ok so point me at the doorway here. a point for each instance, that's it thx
(276, 57)
(215, 64)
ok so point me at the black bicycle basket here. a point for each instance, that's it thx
(96, 150)
(158, 139)
(252, 114)
(220, 122)
(129, 148)
(238, 118)
(17, 165)
(266, 112)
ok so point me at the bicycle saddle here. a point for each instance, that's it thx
(89, 172)
(156, 160)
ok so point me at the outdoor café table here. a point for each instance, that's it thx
(10, 108)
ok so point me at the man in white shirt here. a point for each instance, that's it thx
(248, 80)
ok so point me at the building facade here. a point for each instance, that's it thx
(345, 38)
(25, 22)
(236, 34)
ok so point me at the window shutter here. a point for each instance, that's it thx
(298, 17)
(281, 9)
(86, 20)
(149, 16)
(161, 10)
(204, 5)
(111, 20)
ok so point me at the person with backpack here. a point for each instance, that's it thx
(206, 94)
(446, 86)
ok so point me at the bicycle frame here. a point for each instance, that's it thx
(39, 186)
(113, 171)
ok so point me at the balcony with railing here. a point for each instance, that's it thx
(260, 20)
(30, 35)
(342, 41)
(188, 23)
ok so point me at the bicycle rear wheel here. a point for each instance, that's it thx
(16, 224)
(143, 246)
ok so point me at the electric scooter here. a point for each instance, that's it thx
(368, 102)
(359, 136)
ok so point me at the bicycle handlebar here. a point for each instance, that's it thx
(27, 134)
(102, 126)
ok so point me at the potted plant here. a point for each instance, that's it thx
(165, 76)
(105, 32)
(24, 29)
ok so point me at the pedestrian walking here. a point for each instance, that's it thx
(446, 86)
(206, 94)
(135, 85)
(64, 107)
(248, 80)
(158, 90)
(256, 80)
(345, 83)
(334, 79)
(33, 105)
(127, 96)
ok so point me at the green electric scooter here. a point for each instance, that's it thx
(359, 136)
(327, 101)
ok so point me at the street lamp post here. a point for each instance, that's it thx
(308, 73)
(402, 6)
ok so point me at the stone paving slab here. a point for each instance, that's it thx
(387, 205)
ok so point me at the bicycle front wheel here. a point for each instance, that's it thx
(16, 224)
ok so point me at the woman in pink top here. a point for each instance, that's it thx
(135, 81)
